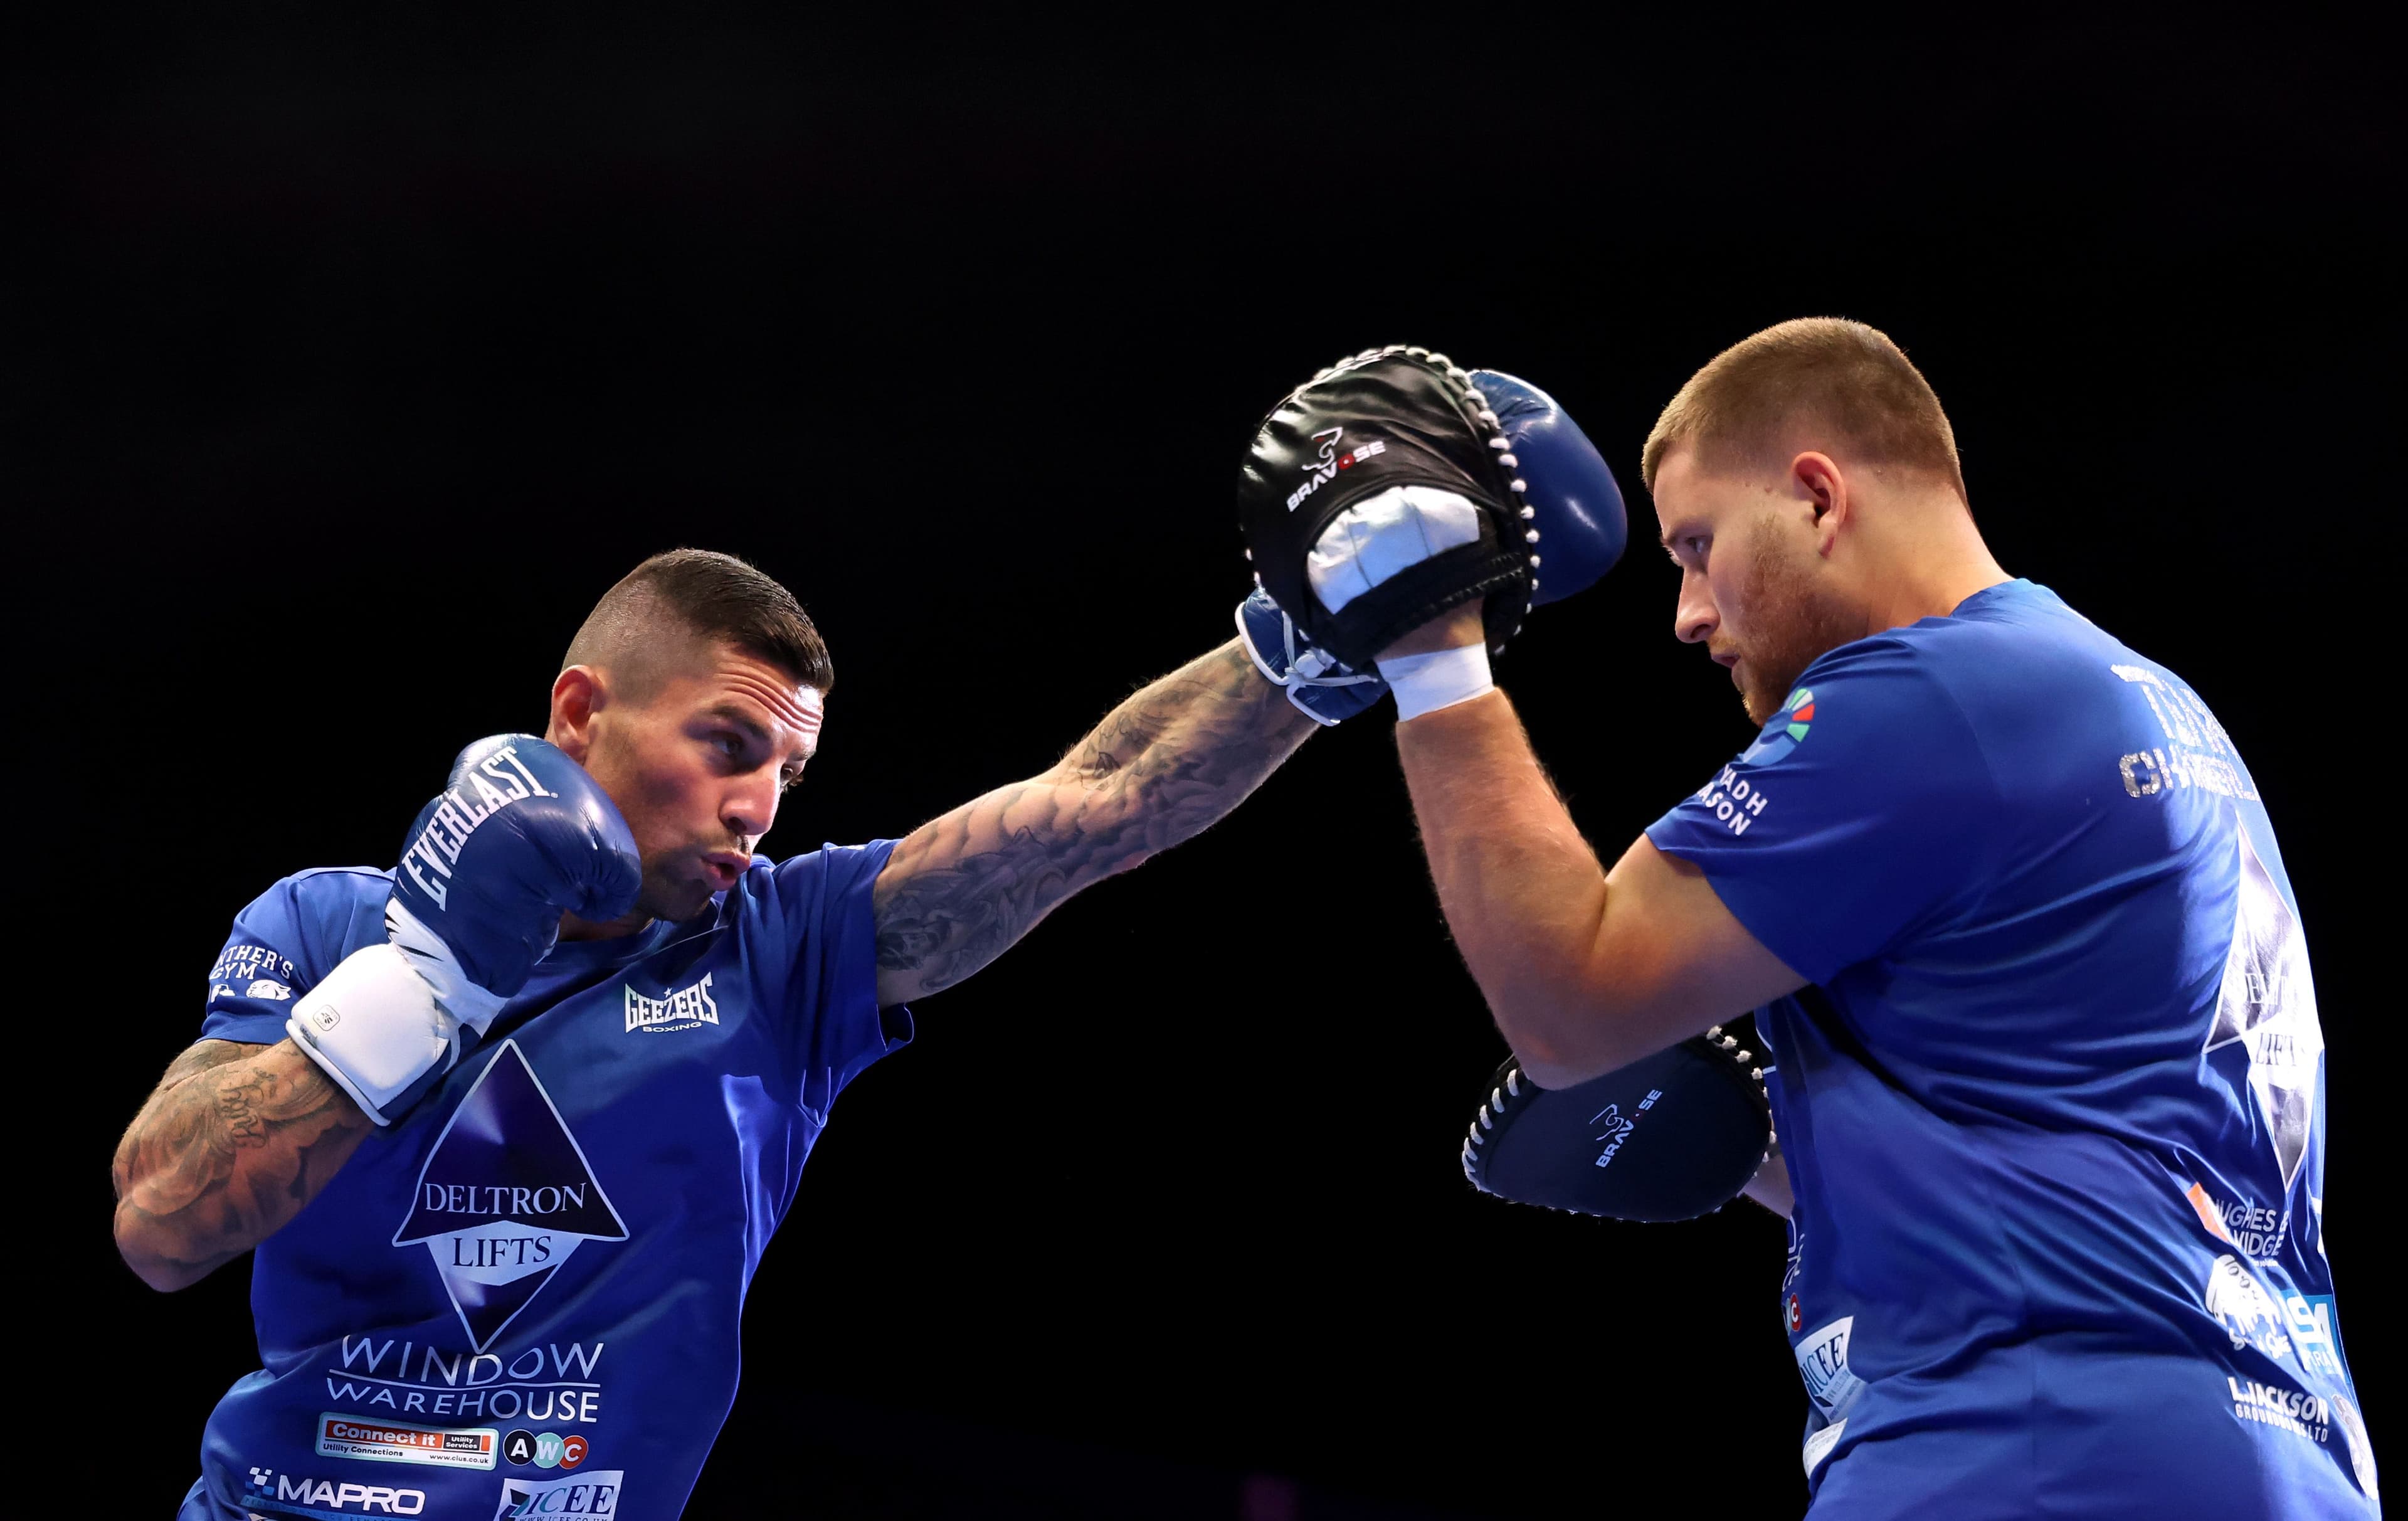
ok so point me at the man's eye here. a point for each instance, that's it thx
(1696, 548)
(727, 745)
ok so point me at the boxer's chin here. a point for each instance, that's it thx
(676, 899)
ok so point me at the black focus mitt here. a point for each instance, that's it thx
(1397, 416)
(1671, 1137)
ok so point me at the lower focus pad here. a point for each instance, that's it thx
(1671, 1137)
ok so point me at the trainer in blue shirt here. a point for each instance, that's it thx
(510, 1123)
(2049, 1081)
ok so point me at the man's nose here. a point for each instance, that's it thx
(751, 806)
(1694, 618)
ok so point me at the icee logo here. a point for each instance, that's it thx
(590, 1495)
(504, 1197)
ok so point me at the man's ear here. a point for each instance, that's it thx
(578, 693)
(1819, 480)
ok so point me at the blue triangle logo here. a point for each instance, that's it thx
(504, 1197)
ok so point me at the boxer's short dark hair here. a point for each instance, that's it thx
(715, 596)
(1816, 375)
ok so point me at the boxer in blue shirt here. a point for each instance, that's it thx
(509, 1125)
(2049, 1080)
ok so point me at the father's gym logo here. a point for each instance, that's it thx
(504, 1197)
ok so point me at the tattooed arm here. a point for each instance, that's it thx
(233, 1142)
(1161, 767)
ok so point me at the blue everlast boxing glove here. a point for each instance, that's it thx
(1574, 519)
(520, 836)
(1324, 688)
(1573, 505)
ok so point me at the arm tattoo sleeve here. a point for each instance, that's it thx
(230, 1146)
(1163, 765)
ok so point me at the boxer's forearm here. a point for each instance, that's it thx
(1523, 893)
(1162, 766)
(233, 1143)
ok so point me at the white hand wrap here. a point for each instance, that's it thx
(1440, 678)
(375, 1027)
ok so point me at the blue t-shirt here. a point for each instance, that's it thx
(521, 1299)
(2051, 1109)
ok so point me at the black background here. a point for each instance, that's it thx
(352, 355)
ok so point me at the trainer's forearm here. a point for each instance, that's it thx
(1523, 893)
(233, 1143)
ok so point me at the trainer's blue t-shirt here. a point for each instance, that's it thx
(2053, 1107)
(521, 1299)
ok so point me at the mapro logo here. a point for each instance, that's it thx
(342, 1498)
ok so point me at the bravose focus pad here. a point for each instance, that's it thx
(1671, 1137)
(1396, 416)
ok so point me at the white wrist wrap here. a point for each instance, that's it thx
(375, 1027)
(432, 960)
(1442, 678)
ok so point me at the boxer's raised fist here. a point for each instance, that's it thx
(520, 836)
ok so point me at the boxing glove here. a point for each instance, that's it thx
(519, 837)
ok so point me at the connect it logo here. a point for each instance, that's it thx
(686, 1008)
(1324, 468)
(504, 1197)
(1785, 731)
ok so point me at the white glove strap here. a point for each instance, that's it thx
(1385, 533)
(1442, 678)
(374, 1026)
(463, 1000)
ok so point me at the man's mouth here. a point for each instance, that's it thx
(721, 869)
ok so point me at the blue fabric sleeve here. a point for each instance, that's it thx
(836, 1026)
(290, 937)
(1864, 814)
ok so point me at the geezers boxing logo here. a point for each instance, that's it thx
(504, 1197)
